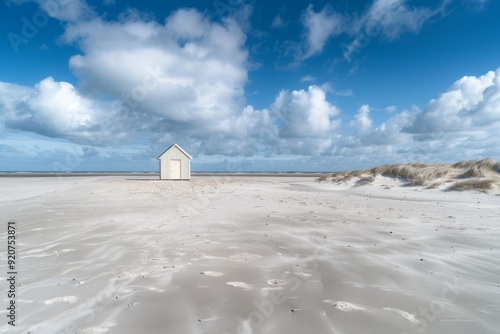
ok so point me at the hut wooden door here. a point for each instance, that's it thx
(175, 169)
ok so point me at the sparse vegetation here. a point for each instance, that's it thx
(482, 174)
(364, 180)
(476, 183)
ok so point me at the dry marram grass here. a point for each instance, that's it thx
(482, 175)
(476, 183)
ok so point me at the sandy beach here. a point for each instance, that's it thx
(248, 254)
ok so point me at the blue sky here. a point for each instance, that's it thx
(247, 85)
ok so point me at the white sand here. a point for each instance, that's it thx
(250, 255)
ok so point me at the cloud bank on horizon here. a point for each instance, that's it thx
(142, 84)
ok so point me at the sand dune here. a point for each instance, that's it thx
(251, 255)
(482, 175)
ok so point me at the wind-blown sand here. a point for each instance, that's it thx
(250, 255)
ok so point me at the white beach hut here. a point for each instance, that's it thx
(175, 164)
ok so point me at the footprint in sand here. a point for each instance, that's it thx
(404, 314)
(345, 306)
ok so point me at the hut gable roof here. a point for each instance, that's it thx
(178, 147)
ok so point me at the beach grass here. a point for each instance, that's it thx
(482, 175)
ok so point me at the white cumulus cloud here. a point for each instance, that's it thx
(304, 120)
(186, 70)
(307, 113)
(182, 80)
(363, 121)
(56, 109)
(471, 105)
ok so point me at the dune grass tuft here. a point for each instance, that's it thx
(476, 183)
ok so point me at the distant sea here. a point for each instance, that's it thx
(152, 174)
(76, 173)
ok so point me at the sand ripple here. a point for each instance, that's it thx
(404, 314)
(239, 285)
(345, 306)
(66, 299)
(212, 273)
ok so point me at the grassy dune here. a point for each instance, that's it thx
(483, 175)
